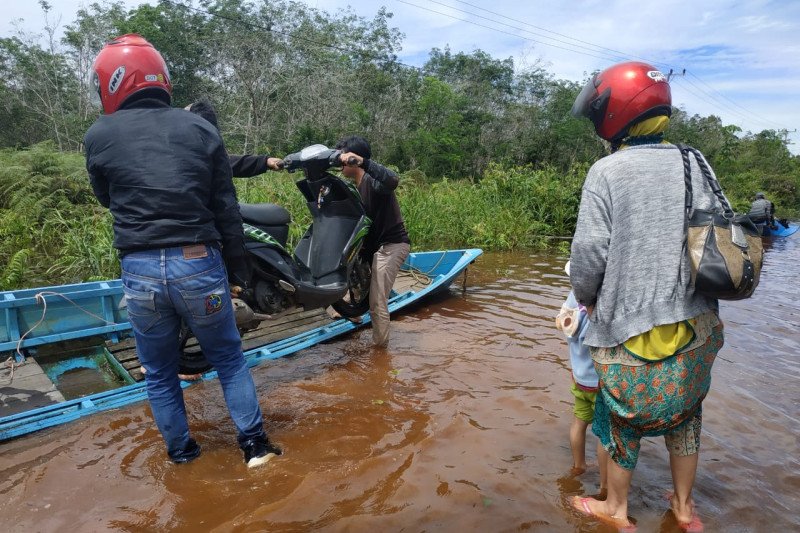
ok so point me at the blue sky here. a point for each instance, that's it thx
(742, 58)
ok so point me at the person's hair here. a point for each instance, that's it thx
(205, 110)
(357, 145)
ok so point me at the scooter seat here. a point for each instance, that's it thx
(265, 214)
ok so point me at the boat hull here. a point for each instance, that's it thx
(75, 313)
(781, 229)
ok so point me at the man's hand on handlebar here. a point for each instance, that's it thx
(351, 160)
(275, 163)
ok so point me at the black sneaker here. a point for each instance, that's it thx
(190, 453)
(258, 451)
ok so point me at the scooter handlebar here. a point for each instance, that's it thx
(320, 160)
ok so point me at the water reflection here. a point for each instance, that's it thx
(462, 424)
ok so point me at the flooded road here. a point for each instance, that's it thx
(461, 425)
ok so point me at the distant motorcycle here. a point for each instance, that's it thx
(326, 267)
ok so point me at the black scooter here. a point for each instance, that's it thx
(326, 267)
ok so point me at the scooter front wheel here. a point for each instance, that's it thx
(356, 301)
(191, 362)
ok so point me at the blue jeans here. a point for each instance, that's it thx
(163, 286)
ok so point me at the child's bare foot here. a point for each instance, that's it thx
(685, 514)
(577, 470)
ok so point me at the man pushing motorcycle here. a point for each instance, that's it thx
(387, 243)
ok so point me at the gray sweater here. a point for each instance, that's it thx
(627, 253)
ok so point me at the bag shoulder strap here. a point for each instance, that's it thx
(712, 181)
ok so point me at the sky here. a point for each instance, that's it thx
(741, 57)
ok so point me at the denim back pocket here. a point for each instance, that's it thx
(208, 306)
(142, 312)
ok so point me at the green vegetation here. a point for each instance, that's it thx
(54, 231)
(488, 153)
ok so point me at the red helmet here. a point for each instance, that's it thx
(622, 95)
(127, 65)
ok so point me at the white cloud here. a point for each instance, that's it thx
(762, 23)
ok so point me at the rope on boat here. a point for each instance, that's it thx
(423, 277)
(417, 276)
(40, 298)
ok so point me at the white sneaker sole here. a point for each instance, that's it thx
(258, 461)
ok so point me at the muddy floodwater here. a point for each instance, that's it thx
(460, 425)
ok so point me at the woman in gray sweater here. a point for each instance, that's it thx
(653, 340)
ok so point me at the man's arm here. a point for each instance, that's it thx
(384, 180)
(98, 182)
(227, 218)
(247, 166)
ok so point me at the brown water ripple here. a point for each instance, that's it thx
(462, 425)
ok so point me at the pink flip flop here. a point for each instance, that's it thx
(582, 506)
(695, 525)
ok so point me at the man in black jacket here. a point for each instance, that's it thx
(165, 176)
(387, 242)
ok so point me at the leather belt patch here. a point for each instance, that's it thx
(196, 251)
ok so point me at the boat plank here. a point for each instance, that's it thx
(288, 324)
(285, 334)
(291, 323)
(30, 389)
(276, 336)
(408, 280)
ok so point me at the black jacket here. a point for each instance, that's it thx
(377, 193)
(165, 176)
(247, 166)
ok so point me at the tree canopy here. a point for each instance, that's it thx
(283, 75)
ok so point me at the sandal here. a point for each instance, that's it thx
(582, 506)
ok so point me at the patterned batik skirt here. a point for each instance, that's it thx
(640, 398)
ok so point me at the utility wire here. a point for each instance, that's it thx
(607, 57)
(616, 57)
(765, 121)
(617, 54)
(500, 31)
(687, 86)
(727, 107)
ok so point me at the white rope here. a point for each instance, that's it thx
(423, 277)
(40, 298)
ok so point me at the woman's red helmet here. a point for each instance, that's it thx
(127, 65)
(621, 96)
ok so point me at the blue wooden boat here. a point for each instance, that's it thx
(69, 352)
(784, 228)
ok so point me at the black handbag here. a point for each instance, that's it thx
(725, 250)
